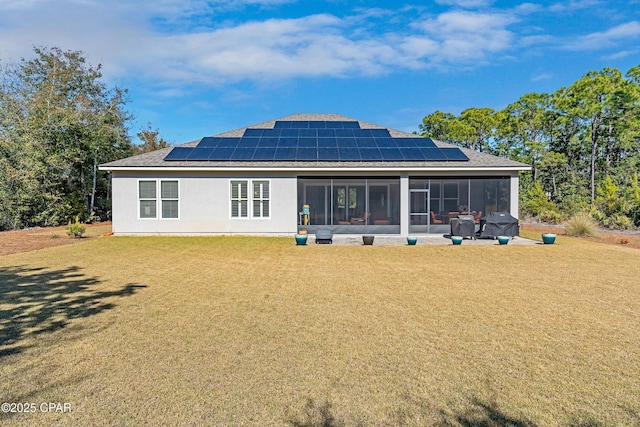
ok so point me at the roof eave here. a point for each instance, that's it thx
(317, 169)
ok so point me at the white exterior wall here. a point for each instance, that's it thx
(204, 205)
(515, 202)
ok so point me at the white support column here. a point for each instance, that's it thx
(404, 205)
(515, 186)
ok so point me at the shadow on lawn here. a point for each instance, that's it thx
(36, 301)
(478, 414)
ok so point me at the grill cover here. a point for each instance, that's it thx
(499, 224)
(463, 226)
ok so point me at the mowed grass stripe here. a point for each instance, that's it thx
(257, 331)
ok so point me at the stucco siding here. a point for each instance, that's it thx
(204, 205)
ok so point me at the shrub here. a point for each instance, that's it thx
(581, 224)
(75, 229)
(537, 203)
(618, 222)
(551, 216)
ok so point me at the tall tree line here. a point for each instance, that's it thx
(58, 122)
(583, 143)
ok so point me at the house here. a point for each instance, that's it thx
(317, 171)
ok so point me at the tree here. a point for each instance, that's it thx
(58, 121)
(150, 140)
(597, 102)
(526, 129)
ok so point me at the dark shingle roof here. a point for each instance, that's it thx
(155, 159)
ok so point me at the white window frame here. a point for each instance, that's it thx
(158, 199)
(162, 199)
(141, 199)
(250, 199)
(239, 199)
(260, 198)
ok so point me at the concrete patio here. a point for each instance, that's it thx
(423, 240)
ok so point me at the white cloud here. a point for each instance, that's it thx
(572, 5)
(465, 36)
(128, 40)
(539, 77)
(606, 39)
(466, 3)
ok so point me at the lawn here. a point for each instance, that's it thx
(257, 331)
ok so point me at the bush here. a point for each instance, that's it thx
(537, 204)
(634, 214)
(618, 222)
(75, 229)
(551, 216)
(581, 225)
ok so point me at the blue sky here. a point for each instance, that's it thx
(195, 68)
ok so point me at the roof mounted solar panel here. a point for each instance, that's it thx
(229, 142)
(391, 154)
(178, 154)
(307, 142)
(307, 133)
(334, 125)
(385, 143)
(243, 154)
(344, 133)
(285, 153)
(307, 154)
(248, 142)
(222, 153)
(380, 133)
(253, 132)
(287, 142)
(264, 153)
(327, 153)
(208, 142)
(454, 154)
(405, 142)
(201, 154)
(370, 154)
(315, 140)
(366, 143)
(268, 142)
(327, 143)
(433, 154)
(282, 124)
(362, 133)
(326, 133)
(349, 154)
(346, 142)
(425, 142)
(412, 153)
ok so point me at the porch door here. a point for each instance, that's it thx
(420, 209)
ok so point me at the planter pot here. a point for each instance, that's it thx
(302, 231)
(503, 240)
(412, 240)
(456, 240)
(301, 239)
(548, 238)
(367, 240)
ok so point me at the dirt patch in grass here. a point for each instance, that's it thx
(625, 238)
(39, 238)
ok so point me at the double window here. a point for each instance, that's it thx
(259, 199)
(148, 191)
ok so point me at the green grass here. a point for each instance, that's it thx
(257, 331)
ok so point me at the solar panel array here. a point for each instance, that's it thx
(315, 141)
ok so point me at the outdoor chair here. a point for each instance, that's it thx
(434, 220)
